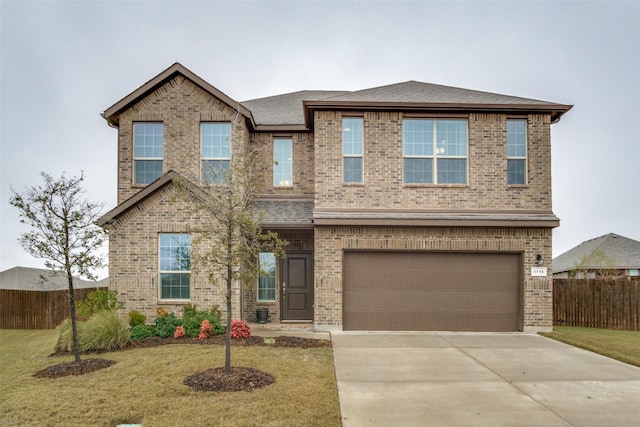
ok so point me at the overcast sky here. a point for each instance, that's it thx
(64, 63)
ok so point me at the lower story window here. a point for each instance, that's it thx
(175, 266)
(267, 277)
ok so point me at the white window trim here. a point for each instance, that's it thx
(204, 159)
(434, 156)
(275, 278)
(353, 156)
(136, 159)
(160, 272)
(287, 184)
(526, 154)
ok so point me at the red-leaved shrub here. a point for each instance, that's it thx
(179, 333)
(240, 329)
(206, 330)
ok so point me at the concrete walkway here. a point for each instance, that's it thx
(463, 379)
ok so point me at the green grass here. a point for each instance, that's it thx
(145, 386)
(620, 345)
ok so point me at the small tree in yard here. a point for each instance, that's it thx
(229, 235)
(62, 231)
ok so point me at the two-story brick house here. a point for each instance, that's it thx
(411, 206)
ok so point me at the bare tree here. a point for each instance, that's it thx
(62, 232)
(229, 237)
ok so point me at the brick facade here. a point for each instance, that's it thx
(181, 104)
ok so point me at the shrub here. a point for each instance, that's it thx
(179, 333)
(136, 318)
(105, 330)
(206, 329)
(139, 332)
(98, 300)
(166, 325)
(192, 323)
(65, 336)
(240, 329)
(189, 310)
(161, 312)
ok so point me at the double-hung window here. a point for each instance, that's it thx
(215, 143)
(267, 277)
(148, 146)
(516, 152)
(175, 266)
(282, 162)
(434, 151)
(352, 147)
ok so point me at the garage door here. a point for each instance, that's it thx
(422, 291)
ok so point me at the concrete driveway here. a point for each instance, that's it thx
(464, 379)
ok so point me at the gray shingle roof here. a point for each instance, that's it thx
(29, 279)
(287, 212)
(284, 109)
(608, 251)
(428, 93)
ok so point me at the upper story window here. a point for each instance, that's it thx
(516, 152)
(434, 151)
(215, 146)
(148, 147)
(282, 162)
(175, 266)
(352, 148)
(267, 277)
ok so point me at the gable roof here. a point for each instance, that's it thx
(31, 279)
(611, 251)
(112, 114)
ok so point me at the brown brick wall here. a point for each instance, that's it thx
(383, 172)
(330, 242)
(133, 257)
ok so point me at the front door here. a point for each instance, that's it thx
(296, 287)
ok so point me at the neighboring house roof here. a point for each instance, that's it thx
(611, 251)
(294, 111)
(31, 279)
(287, 212)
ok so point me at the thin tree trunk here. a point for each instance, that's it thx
(74, 325)
(227, 358)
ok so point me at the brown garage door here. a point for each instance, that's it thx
(422, 291)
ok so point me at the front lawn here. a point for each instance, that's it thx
(145, 386)
(620, 345)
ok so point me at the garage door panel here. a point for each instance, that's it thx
(431, 291)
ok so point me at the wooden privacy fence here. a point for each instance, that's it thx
(597, 303)
(36, 309)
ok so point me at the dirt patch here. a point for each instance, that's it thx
(240, 379)
(84, 366)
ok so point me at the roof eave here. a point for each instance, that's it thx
(556, 110)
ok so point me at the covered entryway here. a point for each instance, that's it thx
(439, 291)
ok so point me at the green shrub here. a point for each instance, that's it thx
(98, 300)
(139, 332)
(136, 318)
(105, 330)
(166, 325)
(193, 321)
(189, 310)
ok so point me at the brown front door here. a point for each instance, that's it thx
(297, 287)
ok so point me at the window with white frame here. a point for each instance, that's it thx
(352, 148)
(175, 266)
(215, 143)
(434, 151)
(267, 277)
(148, 146)
(282, 162)
(516, 152)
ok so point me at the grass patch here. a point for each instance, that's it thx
(620, 345)
(146, 386)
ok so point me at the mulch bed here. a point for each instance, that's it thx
(240, 378)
